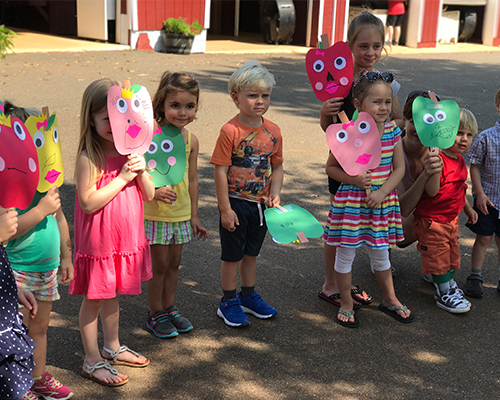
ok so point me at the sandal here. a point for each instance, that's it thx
(348, 324)
(114, 361)
(334, 299)
(392, 311)
(101, 364)
(359, 292)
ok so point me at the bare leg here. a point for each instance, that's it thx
(389, 298)
(330, 285)
(479, 250)
(390, 33)
(397, 34)
(248, 269)
(229, 275)
(408, 231)
(346, 304)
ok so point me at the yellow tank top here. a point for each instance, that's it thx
(180, 211)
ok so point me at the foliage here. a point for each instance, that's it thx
(6, 40)
(181, 27)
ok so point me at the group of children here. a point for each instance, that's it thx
(118, 211)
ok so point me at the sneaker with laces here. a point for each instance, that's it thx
(29, 396)
(49, 388)
(161, 325)
(232, 314)
(453, 302)
(181, 323)
(254, 305)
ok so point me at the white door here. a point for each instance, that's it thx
(92, 19)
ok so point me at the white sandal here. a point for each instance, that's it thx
(114, 361)
(101, 364)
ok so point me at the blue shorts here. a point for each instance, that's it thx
(486, 225)
(249, 235)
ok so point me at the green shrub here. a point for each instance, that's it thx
(181, 27)
(6, 40)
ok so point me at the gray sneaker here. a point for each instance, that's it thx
(161, 325)
(181, 323)
(474, 286)
(453, 302)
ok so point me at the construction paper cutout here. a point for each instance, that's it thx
(18, 164)
(436, 124)
(330, 71)
(284, 226)
(45, 133)
(131, 116)
(355, 145)
(166, 156)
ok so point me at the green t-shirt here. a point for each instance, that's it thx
(39, 249)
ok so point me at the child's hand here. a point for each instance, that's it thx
(67, 271)
(364, 180)
(229, 220)
(165, 194)
(198, 231)
(126, 173)
(375, 198)
(472, 214)
(8, 224)
(272, 201)
(51, 202)
(482, 202)
(27, 299)
(433, 164)
(136, 163)
(332, 107)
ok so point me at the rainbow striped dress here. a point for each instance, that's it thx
(351, 223)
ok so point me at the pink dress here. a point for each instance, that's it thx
(111, 250)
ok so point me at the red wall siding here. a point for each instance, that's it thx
(339, 21)
(152, 13)
(328, 18)
(430, 18)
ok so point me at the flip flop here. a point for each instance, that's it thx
(114, 361)
(101, 364)
(392, 311)
(348, 324)
(334, 299)
(359, 292)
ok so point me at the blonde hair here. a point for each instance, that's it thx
(467, 121)
(173, 83)
(251, 75)
(94, 101)
(497, 98)
(362, 21)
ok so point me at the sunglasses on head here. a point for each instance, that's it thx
(373, 76)
(420, 93)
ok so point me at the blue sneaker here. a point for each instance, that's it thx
(232, 314)
(254, 305)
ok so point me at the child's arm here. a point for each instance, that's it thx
(329, 112)
(27, 299)
(434, 183)
(333, 170)
(8, 224)
(66, 258)
(91, 199)
(470, 212)
(481, 199)
(277, 174)
(228, 217)
(375, 198)
(47, 205)
(137, 164)
(198, 230)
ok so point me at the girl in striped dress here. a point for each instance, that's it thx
(357, 218)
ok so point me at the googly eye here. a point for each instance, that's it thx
(121, 105)
(364, 127)
(136, 103)
(440, 115)
(55, 135)
(318, 66)
(39, 140)
(153, 147)
(340, 63)
(429, 119)
(19, 130)
(167, 146)
(342, 136)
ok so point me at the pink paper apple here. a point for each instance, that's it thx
(355, 145)
(330, 71)
(131, 116)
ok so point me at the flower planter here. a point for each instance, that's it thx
(176, 43)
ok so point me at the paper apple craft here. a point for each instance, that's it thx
(355, 145)
(18, 164)
(330, 71)
(131, 117)
(45, 133)
(166, 156)
(290, 222)
(436, 123)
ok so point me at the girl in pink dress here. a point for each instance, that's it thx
(111, 250)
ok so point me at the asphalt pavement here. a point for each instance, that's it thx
(302, 353)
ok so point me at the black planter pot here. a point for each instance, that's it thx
(176, 43)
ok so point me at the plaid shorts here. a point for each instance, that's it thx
(160, 232)
(42, 284)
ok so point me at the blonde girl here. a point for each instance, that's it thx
(111, 250)
(374, 220)
(171, 219)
